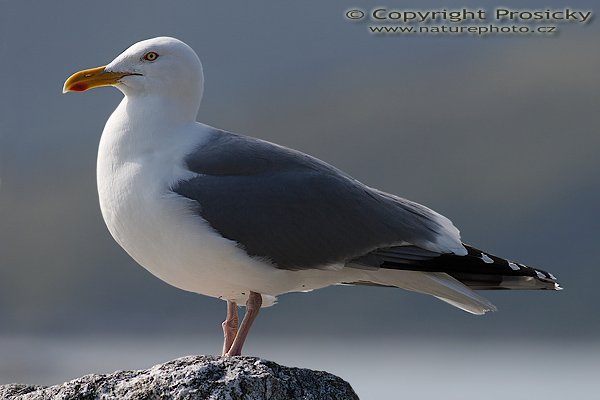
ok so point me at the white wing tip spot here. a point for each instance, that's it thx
(539, 274)
(486, 259)
(513, 266)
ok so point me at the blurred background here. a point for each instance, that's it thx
(499, 133)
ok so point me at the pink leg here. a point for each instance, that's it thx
(252, 308)
(230, 326)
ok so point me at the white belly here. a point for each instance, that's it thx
(158, 229)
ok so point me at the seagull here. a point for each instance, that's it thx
(245, 220)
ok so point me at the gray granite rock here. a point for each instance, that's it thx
(196, 377)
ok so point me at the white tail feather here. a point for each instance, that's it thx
(437, 284)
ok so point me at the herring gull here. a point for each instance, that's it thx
(245, 220)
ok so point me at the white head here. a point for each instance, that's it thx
(162, 66)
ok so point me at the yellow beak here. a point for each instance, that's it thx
(91, 78)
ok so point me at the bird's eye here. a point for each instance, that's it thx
(151, 56)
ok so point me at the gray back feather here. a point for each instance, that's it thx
(294, 209)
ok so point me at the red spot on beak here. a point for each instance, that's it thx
(79, 87)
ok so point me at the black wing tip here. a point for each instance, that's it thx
(477, 269)
(519, 276)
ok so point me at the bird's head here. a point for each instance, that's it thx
(160, 66)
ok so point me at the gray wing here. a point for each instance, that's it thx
(298, 211)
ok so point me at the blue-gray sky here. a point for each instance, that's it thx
(500, 134)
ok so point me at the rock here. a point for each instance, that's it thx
(196, 377)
